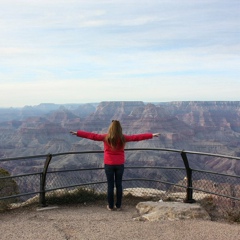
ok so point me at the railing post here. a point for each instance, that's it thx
(189, 196)
(42, 198)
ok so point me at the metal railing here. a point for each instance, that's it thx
(188, 182)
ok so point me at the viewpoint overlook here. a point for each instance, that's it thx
(210, 127)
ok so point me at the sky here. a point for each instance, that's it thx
(84, 51)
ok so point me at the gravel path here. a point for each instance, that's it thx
(95, 222)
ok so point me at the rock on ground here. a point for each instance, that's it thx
(153, 211)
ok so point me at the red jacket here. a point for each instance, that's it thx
(113, 156)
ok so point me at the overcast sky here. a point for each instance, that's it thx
(78, 51)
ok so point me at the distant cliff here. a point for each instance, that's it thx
(212, 127)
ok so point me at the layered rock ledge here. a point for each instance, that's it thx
(155, 211)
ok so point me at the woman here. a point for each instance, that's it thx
(114, 157)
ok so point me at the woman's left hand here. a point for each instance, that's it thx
(156, 134)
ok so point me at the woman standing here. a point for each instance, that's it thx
(114, 157)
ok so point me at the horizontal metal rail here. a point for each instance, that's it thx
(153, 180)
(127, 149)
(124, 180)
(22, 158)
(75, 185)
(20, 175)
(126, 167)
(215, 173)
(217, 194)
(20, 195)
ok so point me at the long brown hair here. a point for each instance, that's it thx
(115, 136)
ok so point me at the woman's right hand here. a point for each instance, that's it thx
(156, 134)
(73, 133)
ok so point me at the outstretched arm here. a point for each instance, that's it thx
(140, 137)
(89, 135)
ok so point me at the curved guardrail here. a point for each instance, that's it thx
(47, 158)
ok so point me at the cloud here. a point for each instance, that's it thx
(51, 44)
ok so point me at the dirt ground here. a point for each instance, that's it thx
(89, 222)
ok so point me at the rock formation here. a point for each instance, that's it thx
(156, 211)
(212, 127)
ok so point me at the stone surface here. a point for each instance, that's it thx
(144, 192)
(47, 208)
(155, 211)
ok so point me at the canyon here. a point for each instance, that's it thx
(210, 127)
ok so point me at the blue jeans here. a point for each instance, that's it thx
(114, 174)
